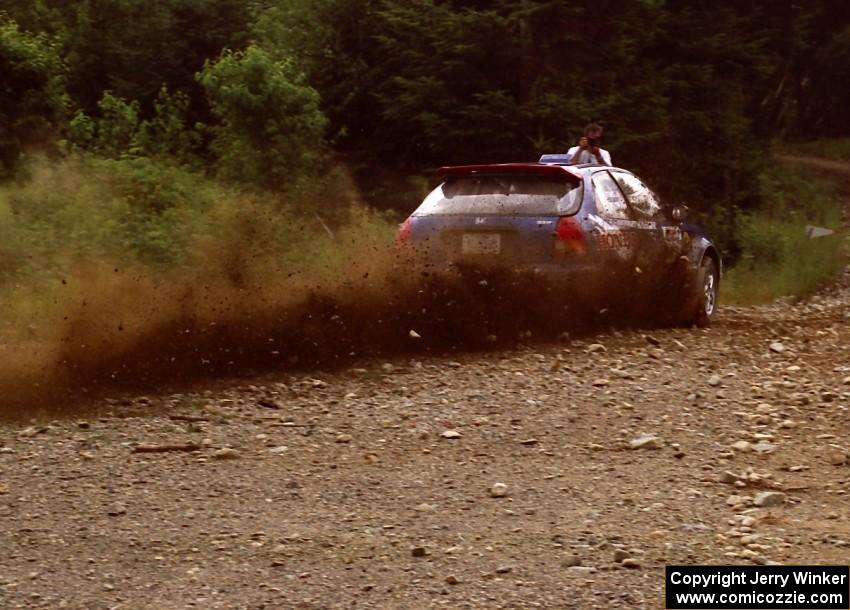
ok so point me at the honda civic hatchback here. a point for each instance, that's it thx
(593, 230)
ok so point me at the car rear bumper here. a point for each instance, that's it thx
(562, 275)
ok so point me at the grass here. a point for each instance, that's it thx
(778, 257)
(814, 262)
(829, 148)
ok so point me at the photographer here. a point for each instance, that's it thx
(588, 149)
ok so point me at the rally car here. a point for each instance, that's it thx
(595, 230)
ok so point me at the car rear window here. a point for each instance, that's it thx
(504, 195)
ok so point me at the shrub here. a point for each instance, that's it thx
(117, 127)
(167, 133)
(271, 128)
(32, 99)
(119, 132)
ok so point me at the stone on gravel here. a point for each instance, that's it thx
(836, 455)
(227, 453)
(451, 434)
(571, 561)
(620, 555)
(729, 477)
(451, 579)
(631, 563)
(735, 500)
(504, 570)
(343, 438)
(116, 510)
(714, 380)
(596, 347)
(601, 382)
(645, 441)
(498, 490)
(742, 446)
(763, 448)
(767, 499)
(777, 347)
(419, 551)
(414, 335)
(279, 449)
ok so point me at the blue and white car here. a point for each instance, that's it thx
(593, 229)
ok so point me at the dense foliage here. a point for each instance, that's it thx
(270, 127)
(32, 97)
(689, 93)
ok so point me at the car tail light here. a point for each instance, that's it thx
(403, 235)
(569, 238)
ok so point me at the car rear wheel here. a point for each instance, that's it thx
(705, 291)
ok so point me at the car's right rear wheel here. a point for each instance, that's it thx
(703, 303)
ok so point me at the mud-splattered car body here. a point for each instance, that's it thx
(594, 230)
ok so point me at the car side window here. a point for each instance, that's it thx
(642, 199)
(609, 199)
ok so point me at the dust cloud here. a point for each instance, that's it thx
(236, 311)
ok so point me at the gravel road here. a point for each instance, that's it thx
(552, 475)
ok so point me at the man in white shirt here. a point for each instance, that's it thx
(588, 150)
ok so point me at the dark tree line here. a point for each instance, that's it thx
(690, 93)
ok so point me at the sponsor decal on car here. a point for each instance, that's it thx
(615, 240)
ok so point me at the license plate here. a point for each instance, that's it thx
(481, 243)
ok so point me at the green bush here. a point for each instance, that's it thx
(167, 133)
(32, 96)
(271, 129)
(119, 131)
(117, 127)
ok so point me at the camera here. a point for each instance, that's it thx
(594, 141)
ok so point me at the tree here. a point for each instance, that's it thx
(270, 127)
(132, 47)
(33, 101)
(333, 42)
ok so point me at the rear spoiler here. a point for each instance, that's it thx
(532, 169)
